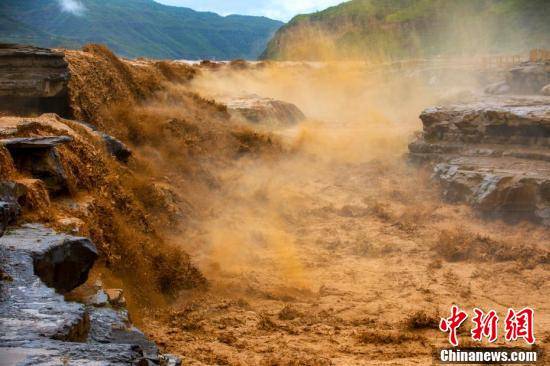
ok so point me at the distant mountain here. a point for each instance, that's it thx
(134, 28)
(389, 29)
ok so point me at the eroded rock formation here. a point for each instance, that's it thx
(38, 157)
(256, 109)
(33, 80)
(493, 154)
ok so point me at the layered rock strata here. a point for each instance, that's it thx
(493, 154)
(33, 80)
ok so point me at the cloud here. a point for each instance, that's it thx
(74, 7)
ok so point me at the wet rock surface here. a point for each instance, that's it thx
(39, 327)
(112, 326)
(33, 80)
(256, 109)
(493, 154)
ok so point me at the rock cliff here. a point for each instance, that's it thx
(493, 154)
(33, 80)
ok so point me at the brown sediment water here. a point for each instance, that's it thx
(335, 250)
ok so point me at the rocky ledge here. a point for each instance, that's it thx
(493, 153)
(33, 79)
(268, 111)
(39, 327)
(38, 266)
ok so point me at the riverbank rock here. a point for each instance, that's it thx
(493, 154)
(61, 261)
(256, 109)
(33, 80)
(38, 157)
(116, 148)
(526, 78)
(39, 326)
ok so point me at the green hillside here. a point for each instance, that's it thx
(134, 28)
(389, 29)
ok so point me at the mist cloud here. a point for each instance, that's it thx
(74, 7)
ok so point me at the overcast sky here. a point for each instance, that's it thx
(276, 9)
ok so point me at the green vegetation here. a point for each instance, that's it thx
(390, 29)
(135, 28)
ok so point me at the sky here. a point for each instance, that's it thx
(276, 9)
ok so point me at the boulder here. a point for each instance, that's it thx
(61, 261)
(256, 109)
(33, 81)
(65, 263)
(545, 90)
(116, 148)
(38, 157)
